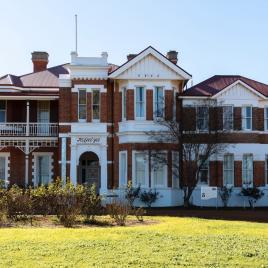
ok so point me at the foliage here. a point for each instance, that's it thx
(91, 205)
(225, 194)
(139, 213)
(149, 197)
(253, 194)
(119, 210)
(132, 193)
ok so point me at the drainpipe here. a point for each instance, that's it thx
(27, 144)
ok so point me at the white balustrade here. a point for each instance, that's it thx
(35, 129)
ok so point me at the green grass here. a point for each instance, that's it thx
(172, 242)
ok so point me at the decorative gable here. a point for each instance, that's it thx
(150, 64)
(149, 67)
(239, 91)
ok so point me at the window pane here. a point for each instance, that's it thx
(43, 170)
(82, 96)
(82, 111)
(139, 102)
(96, 112)
(2, 168)
(202, 118)
(96, 97)
(123, 170)
(159, 170)
(2, 104)
(140, 168)
(2, 116)
(124, 102)
(248, 111)
(247, 169)
(227, 117)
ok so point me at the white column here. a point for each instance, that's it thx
(27, 149)
(104, 166)
(73, 165)
(63, 159)
(27, 118)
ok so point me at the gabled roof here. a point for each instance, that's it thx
(158, 55)
(43, 79)
(218, 83)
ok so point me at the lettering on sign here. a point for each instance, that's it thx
(89, 140)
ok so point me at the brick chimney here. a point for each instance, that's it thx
(172, 55)
(131, 56)
(40, 60)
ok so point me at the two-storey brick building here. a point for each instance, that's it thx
(87, 120)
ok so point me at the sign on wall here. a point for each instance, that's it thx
(208, 193)
(88, 140)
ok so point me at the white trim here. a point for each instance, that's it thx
(150, 50)
(88, 88)
(126, 168)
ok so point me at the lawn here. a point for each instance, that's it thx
(169, 242)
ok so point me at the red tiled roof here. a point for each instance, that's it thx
(48, 78)
(216, 83)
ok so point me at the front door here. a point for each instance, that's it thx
(89, 170)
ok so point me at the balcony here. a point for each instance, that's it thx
(30, 129)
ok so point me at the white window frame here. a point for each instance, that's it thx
(6, 179)
(78, 105)
(165, 185)
(5, 110)
(36, 155)
(243, 170)
(124, 103)
(202, 130)
(135, 104)
(121, 183)
(134, 182)
(156, 102)
(223, 118)
(175, 178)
(98, 90)
(208, 180)
(265, 118)
(244, 118)
(223, 170)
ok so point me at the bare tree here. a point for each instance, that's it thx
(197, 134)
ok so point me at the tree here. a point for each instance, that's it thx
(195, 138)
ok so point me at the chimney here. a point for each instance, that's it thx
(40, 60)
(172, 55)
(131, 56)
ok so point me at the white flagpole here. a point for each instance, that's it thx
(76, 34)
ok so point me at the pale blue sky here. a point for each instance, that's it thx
(212, 37)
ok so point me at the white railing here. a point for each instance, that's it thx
(34, 129)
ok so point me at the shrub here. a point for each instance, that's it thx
(91, 203)
(253, 194)
(119, 211)
(19, 204)
(3, 207)
(132, 193)
(139, 213)
(149, 197)
(68, 203)
(225, 194)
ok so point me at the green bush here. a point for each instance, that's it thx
(91, 203)
(253, 194)
(225, 194)
(132, 193)
(149, 197)
(119, 211)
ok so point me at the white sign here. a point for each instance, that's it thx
(88, 140)
(208, 193)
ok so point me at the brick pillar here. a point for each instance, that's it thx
(149, 104)
(259, 173)
(238, 173)
(64, 104)
(168, 104)
(74, 107)
(89, 106)
(237, 118)
(130, 104)
(103, 107)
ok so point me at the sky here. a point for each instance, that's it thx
(211, 36)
